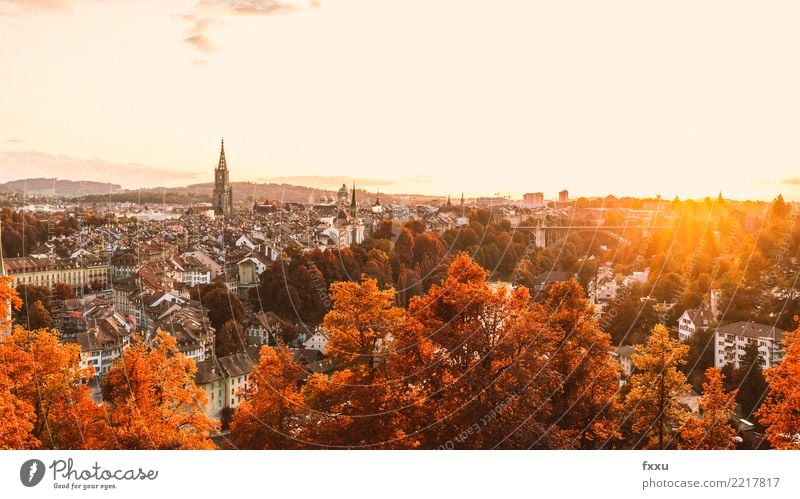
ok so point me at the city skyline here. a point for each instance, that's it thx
(423, 99)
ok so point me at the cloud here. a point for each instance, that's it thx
(12, 141)
(15, 165)
(207, 13)
(18, 6)
(791, 181)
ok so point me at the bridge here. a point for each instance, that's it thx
(548, 236)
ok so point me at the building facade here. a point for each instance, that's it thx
(731, 341)
(77, 272)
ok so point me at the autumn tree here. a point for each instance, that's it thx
(63, 291)
(229, 339)
(362, 322)
(222, 305)
(482, 358)
(17, 416)
(362, 405)
(712, 430)
(42, 374)
(652, 403)
(780, 412)
(271, 412)
(29, 294)
(38, 316)
(153, 402)
(586, 398)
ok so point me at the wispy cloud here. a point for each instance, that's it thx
(18, 6)
(12, 141)
(791, 181)
(208, 13)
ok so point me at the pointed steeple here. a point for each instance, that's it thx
(353, 202)
(222, 165)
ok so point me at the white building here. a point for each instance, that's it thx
(317, 341)
(223, 380)
(694, 320)
(622, 354)
(731, 341)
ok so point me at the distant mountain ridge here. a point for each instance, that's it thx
(244, 193)
(59, 187)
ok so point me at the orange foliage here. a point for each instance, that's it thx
(153, 401)
(780, 411)
(586, 401)
(270, 412)
(652, 404)
(42, 374)
(712, 430)
(480, 357)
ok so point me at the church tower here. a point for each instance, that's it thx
(223, 193)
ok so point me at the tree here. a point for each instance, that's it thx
(38, 316)
(780, 412)
(652, 402)
(43, 380)
(717, 406)
(229, 339)
(222, 306)
(361, 323)
(63, 291)
(17, 417)
(482, 358)
(271, 412)
(153, 402)
(362, 405)
(585, 401)
(628, 317)
(700, 356)
(29, 294)
(749, 378)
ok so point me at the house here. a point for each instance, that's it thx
(190, 328)
(317, 341)
(623, 354)
(541, 281)
(731, 341)
(263, 328)
(102, 344)
(246, 242)
(223, 380)
(694, 320)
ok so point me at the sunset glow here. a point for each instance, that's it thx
(430, 97)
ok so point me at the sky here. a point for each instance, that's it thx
(686, 98)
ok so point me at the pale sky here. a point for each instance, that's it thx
(634, 97)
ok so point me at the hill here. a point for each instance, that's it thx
(59, 188)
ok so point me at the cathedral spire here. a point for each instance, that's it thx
(353, 202)
(222, 164)
(223, 193)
